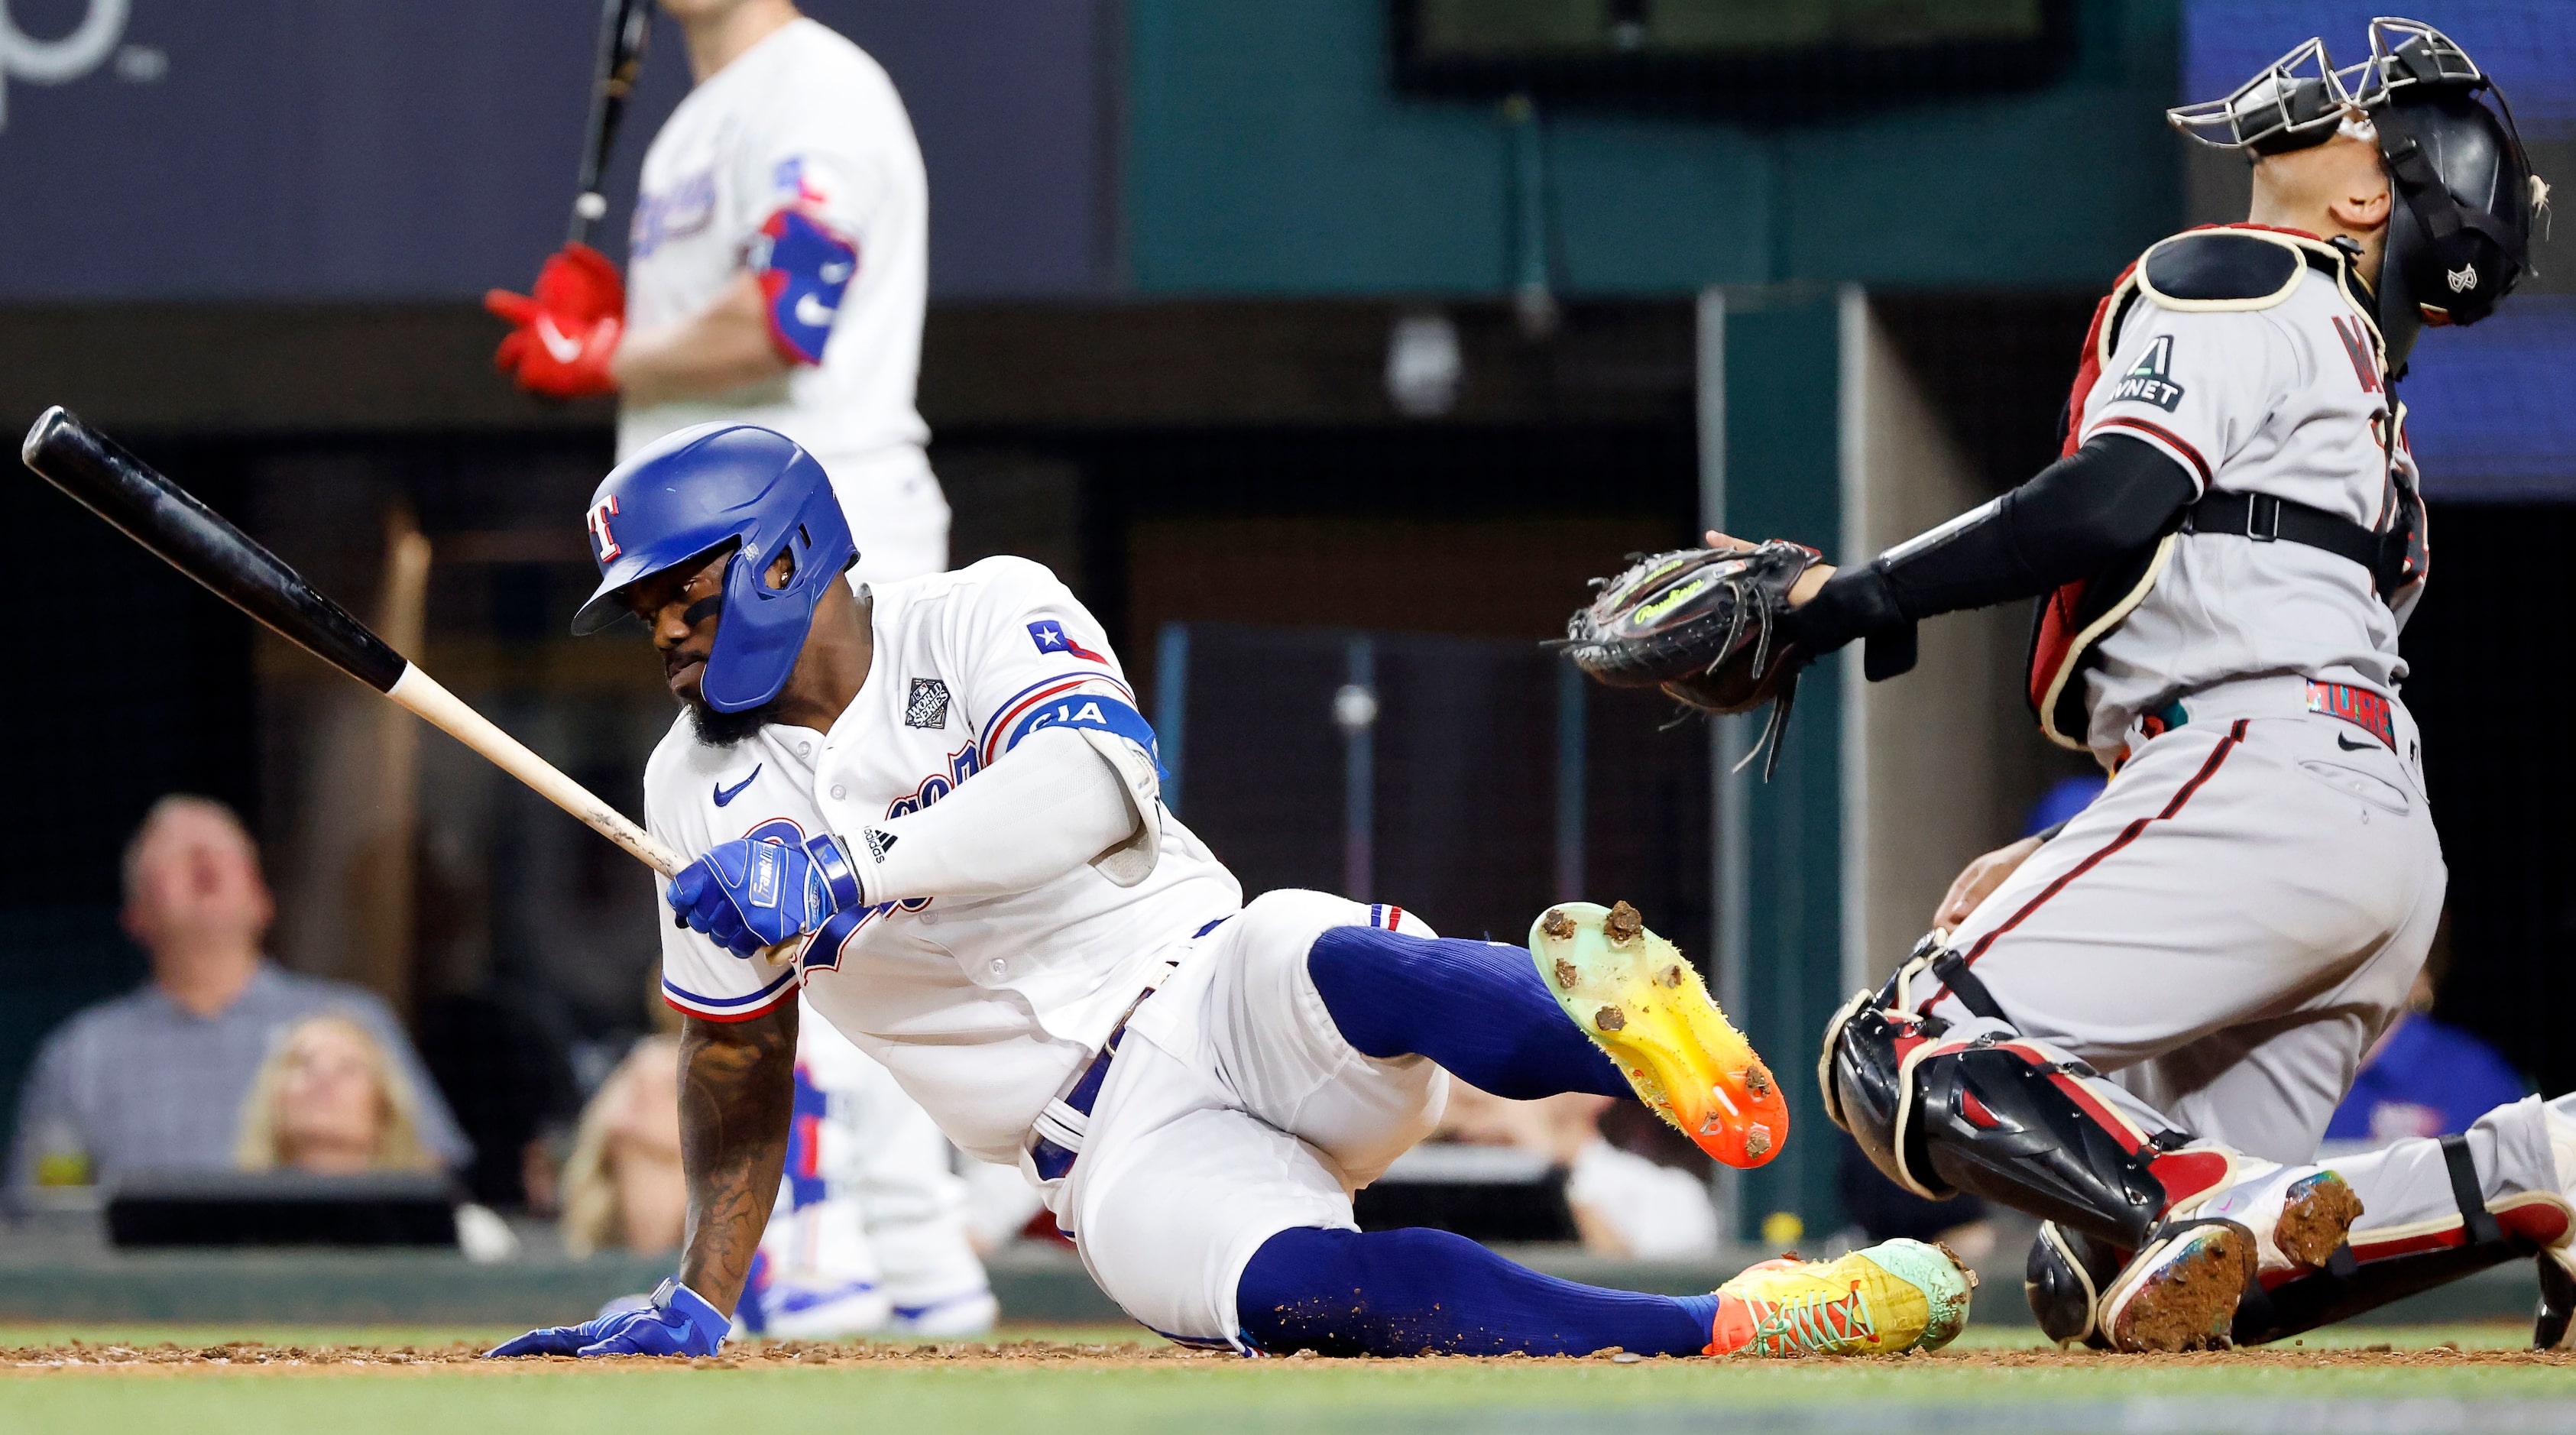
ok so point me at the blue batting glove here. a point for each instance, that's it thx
(754, 894)
(678, 1322)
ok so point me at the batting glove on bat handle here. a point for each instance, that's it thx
(753, 895)
(679, 1321)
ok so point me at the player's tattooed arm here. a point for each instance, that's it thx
(737, 1090)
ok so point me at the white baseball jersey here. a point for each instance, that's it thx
(981, 1007)
(2286, 399)
(803, 123)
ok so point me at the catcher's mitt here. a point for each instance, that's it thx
(1703, 625)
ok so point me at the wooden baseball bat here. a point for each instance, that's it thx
(624, 26)
(105, 479)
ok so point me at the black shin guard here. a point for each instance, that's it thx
(2008, 1118)
(2358, 1278)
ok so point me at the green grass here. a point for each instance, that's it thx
(1212, 1394)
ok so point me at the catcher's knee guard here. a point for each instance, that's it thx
(1942, 1111)
(2064, 1280)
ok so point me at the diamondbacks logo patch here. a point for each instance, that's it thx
(2147, 382)
(2462, 279)
(928, 705)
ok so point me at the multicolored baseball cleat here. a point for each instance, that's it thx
(1890, 1298)
(2180, 1292)
(1639, 1000)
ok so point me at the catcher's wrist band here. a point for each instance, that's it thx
(1854, 603)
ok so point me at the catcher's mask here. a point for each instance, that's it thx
(691, 495)
(2463, 199)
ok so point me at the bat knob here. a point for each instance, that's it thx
(42, 429)
(591, 206)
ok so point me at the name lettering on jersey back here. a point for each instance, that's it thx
(2149, 381)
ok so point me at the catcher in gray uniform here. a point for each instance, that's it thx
(2136, 1026)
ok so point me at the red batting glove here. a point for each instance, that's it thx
(563, 336)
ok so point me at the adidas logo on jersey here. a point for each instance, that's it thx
(2146, 381)
(879, 843)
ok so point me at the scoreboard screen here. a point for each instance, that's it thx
(1728, 53)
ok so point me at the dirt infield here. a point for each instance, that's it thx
(236, 1357)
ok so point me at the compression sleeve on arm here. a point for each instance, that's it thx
(1042, 809)
(2112, 496)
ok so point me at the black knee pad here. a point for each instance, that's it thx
(2064, 1280)
(1867, 1079)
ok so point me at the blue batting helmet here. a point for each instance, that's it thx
(691, 494)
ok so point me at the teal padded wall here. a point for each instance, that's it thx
(1267, 153)
(1782, 977)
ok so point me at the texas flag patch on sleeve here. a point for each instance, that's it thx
(1051, 637)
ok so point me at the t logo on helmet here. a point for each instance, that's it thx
(599, 517)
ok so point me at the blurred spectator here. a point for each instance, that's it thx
(154, 1080)
(327, 1102)
(622, 1186)
(1623, 1203)
(2421, 1078)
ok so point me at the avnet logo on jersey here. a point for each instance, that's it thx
(2150, 380)
(80, 51)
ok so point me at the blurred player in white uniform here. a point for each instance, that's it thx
(936, 800)
(869, 1232)
(776, 274)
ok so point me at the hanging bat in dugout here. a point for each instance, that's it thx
(105, 479)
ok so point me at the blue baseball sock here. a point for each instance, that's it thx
(1477, 1008)
(1405, 1292)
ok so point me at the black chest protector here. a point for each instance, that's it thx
(2226, 268)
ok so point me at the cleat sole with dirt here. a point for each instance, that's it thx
(1635, 996)
(2316, 1215)
(2181, 1293)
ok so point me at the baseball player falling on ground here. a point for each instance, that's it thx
(2137, 1026)
(776, 274)
(941, 792)
(778, 270)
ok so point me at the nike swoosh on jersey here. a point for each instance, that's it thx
(2349, 745)
(726, 794)
(564, 348)
(813, 312)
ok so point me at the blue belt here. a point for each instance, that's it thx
(1052, 1156)
(1052, 1159)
